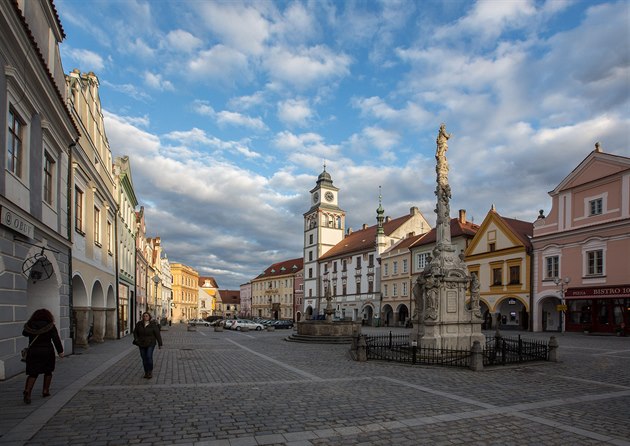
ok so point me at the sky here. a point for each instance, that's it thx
(229, 110)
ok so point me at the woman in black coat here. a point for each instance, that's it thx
(145, 335)
(40, 358)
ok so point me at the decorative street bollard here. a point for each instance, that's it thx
(476, 357)
(553, 349)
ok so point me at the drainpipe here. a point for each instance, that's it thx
(69, 213)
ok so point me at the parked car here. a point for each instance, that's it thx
(227, 324)
(282, 324)
(237, 325)
(195, 322)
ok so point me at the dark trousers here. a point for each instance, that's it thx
(146, 353)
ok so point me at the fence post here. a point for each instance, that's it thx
(362, 349)
(503, 351)
(520, 349)
(476, 357)
(553, 349)
(390, 340)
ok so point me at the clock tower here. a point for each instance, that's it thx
(324, 225)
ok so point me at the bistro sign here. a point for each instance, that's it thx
(613, 292)
(15, 222)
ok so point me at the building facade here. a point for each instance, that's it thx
(94, 215)
(246, 299)
(273, 291)
(37, 133)
(228, 303)
(351, 270)
(126, 231)
(208, 289)
(500, 255)
(185, 292)
(582, 250)
(324, 226)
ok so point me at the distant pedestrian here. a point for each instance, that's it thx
(40, 357)
(146, 335)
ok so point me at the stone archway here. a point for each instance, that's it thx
(367, 315)
(402, 315)
(387, 316)
(98, 312)
(81, 311)
(309, 312)
(550, 317)
(484, 308)
(513, 313)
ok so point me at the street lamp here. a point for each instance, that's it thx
(561, 283)
(156, 280)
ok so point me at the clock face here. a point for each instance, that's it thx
(315, 197)
(329, 196)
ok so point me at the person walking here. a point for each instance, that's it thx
(40, 357)
(146, 335)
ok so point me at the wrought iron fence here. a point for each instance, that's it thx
(513, 350)
(498, 351)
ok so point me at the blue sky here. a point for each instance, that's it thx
(229, 109)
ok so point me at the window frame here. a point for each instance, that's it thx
(49, 180)
(79, 221)
(15, 158)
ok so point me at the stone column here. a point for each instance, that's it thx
(110, 324)
(82, 315)
(99, 324)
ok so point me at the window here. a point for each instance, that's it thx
(344, 265)
(15, 143)
(404, 288)
(515, 275)
(110, 237)
(422, 260)
(404, 266)
(78, 210)
(595, 263)
(97, 226)
(358, 285)
(386, 269)
(310, 273)
(371, 261)
(358, 262)
(394, 289)
(49, 178)
(395, 268)
(370, 286)
(492, 247)
(310, 256)
(595, 207)
(310, 239)
(552, 265)
(385, 290)
(496, 276)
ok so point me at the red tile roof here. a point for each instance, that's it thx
(213, 282)
(283, 268)
(230, 296)
(458, 229)
(524, 230)
(363, 240)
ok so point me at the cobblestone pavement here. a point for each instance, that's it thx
(244, 389)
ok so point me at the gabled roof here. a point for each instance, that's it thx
(211, 280)
(364, 239)
(230, 296)
(283, 268)
(458, 229)
(606, 163)
(518, 231)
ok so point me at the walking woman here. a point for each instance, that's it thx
(145, 336)
(40, 358)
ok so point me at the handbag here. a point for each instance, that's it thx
(24, 351)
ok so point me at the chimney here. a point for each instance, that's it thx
(414, 210)
(364, 226)
(388, 219)
(598, 147)
(349, 231)
(462, 216)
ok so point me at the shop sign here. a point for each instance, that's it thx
(17, 223)
(614, 291)
(511, 301)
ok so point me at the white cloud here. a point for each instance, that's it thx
(306, 67)
(85, 60)
(240, 26)
(247, 102)
(156, 81)
(295, 112)
(219, 63)
(181, 40)
(238, 119)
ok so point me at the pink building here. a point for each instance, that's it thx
(582, 250)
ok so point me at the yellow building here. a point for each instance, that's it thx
(185, 292)
(500, 256)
